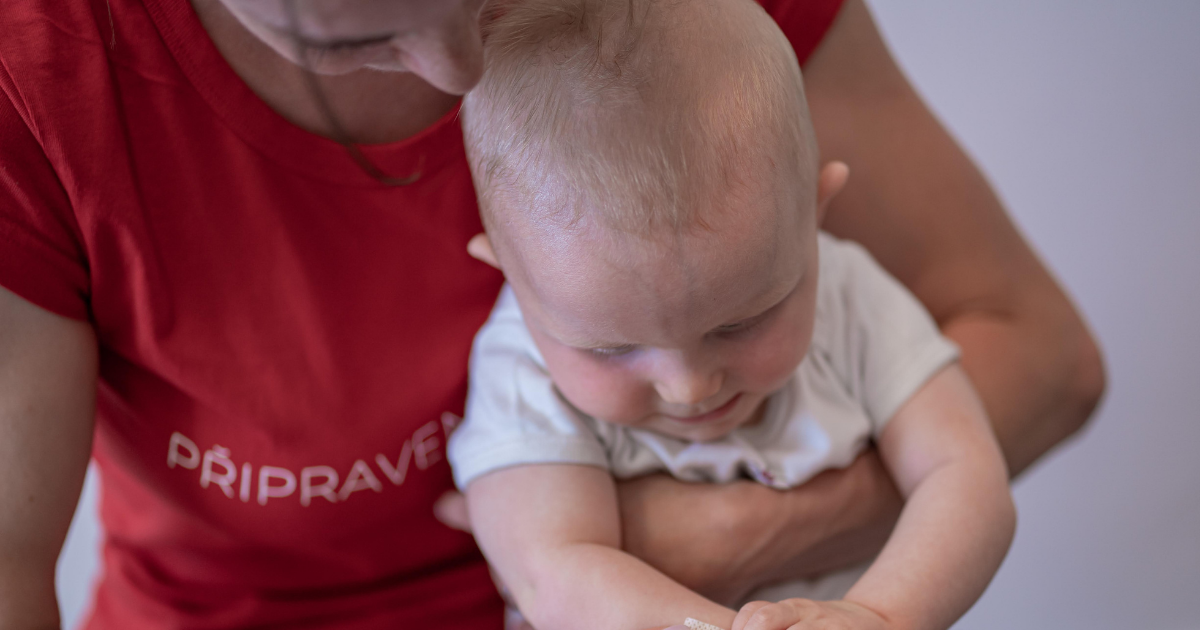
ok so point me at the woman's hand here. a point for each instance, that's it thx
(805, 614)
(725, 540)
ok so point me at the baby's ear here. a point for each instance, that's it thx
(480, 248)
(830, 182)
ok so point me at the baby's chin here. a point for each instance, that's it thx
(747, 410)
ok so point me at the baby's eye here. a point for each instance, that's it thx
(740, 328)
(611, 351)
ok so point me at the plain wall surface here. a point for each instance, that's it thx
(1085, 114)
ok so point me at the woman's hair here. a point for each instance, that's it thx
(629, 113)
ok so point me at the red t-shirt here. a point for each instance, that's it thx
(283, 340)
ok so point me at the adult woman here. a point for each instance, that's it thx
(274, 341)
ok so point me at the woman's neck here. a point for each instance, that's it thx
(373, 107)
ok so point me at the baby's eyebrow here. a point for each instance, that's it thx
(581, 342)
(763, 314)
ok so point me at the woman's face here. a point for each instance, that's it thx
(438, 40)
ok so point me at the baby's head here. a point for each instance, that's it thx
(648, 178)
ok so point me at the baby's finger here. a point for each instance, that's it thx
(746, 613)
(451, 510)
(778, 616)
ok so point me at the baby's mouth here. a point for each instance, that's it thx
(709, 416)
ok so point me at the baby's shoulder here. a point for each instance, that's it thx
(835, 307)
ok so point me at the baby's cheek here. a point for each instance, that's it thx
(770, 363)
(598, 389)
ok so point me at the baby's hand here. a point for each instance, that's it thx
(806, 614)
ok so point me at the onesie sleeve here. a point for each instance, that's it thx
(888, 345)
(514, 415)
(41, 254)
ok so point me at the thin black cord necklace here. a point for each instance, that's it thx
(340, 135)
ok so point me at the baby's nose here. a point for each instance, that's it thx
(688, 386)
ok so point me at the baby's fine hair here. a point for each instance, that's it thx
(629, 114)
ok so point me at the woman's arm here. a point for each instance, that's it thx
(47, 397)
(552, 534)
(927, 214)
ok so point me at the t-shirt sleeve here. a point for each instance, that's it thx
(514, 415)
(803, 22)
(41, 254)
(889, 345)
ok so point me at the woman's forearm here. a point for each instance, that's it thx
(725, 540)
(922, 208)
(1037, 369)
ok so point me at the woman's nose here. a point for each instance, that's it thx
(450, 56)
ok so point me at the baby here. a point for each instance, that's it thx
(649, 183)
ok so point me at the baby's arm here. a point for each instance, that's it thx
(552, 532)
(959, 518)
(954, 530)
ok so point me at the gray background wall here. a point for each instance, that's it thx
(1086, 116)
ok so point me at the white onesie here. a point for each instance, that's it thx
(873, 347)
